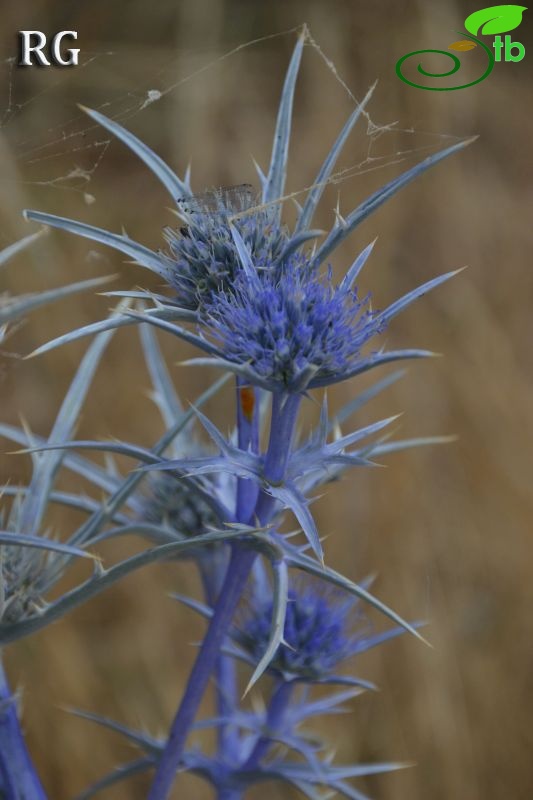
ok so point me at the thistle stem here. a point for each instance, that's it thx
(18, 776)
(284, 413)
(226, 679)
(225, 676)
(276, 710)
(236, 577)
(248, 439)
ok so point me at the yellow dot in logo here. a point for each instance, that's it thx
(464, 44)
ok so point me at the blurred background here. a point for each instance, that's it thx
(447, 530)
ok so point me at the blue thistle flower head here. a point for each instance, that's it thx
(203, 259)
(287, 327)
(318, 632)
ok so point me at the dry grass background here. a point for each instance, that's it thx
(448, 530)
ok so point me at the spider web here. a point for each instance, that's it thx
(67, 156)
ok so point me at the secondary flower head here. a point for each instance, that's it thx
(183, 507)
(203, 259)
(167, 501)
(287, 327)
(318, 632)
(26, 573)
(23, 578)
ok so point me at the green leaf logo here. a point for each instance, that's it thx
(496, 19)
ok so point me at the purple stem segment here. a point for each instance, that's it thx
(278, 705)
(283, 418)
(236, 577)
(276, 711)
(284, 414)
(18, 776)
(225, 675)
(248, 439)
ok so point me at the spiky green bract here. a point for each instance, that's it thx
(29, 566)
(12, 250)
(30, 562)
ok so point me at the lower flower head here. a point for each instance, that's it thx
(317, 633)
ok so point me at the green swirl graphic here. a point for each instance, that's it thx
(452, 71)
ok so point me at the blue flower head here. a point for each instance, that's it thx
(318, 632)
(203, 259)
(285, 328)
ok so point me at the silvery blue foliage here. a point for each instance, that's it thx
(259, 301)
(14, 309)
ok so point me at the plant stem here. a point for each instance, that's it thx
(276, 710)
(18, 776)
(227, 699)
(226, 793)
(237, 574)
(279, 702)
(248, 439)
(284, 413)
(225, 674)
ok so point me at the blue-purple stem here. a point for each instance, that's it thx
(225, 674)
(279, 703)
(248, 439)
(18, 776)
(277, 708)
(236, 577)
(284, 413)
(226, 793)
